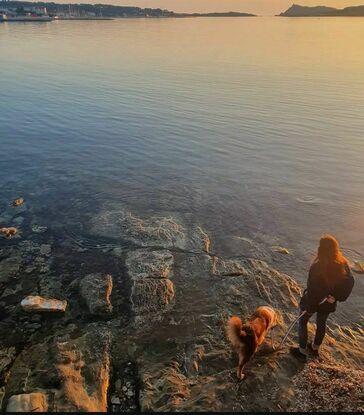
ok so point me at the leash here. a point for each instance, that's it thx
(294, 322)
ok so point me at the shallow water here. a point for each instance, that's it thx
(253, 127)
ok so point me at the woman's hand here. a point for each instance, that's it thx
(330, 299)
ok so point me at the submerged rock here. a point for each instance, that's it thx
(154, 231)
(39, 228)
(221, 267)
(96, 290)
(35, 303)
(28, 402)
(45, 249)
(144, 263)
(9, 268)
(152, 290)
(151, 296)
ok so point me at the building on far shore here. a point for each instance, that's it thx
(24, 14)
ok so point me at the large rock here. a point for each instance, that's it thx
(228, 268)
(28, 402)
(72, 370)
(83, 370)
(144, 263)
(153, 231)
(35, 303)
(151, 296)
(152, 290)
(96, 290)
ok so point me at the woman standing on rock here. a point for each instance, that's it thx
(329, 277)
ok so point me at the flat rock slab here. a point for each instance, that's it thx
(28, 402)
(152, 295)
(71, 370)
(35, 303)
(96, 290)
(144, 263)
(155, 231)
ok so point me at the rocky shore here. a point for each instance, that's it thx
(141, 326)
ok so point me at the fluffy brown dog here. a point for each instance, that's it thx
(246, 338)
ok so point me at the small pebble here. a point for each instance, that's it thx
(18, 202)
(281, 250)
(39, 228)
(115, 400)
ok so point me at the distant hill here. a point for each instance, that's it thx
(322, 11)
(108, 10)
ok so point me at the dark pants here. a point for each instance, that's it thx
(320, 329)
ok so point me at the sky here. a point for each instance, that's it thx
(261, 7)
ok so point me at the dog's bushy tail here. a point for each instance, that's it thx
(234, 331)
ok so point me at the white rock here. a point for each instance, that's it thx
(28, 402)
(115, 400)
(37, 303)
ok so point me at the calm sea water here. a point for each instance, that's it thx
(254, 127)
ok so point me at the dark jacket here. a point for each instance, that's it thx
(317, 288)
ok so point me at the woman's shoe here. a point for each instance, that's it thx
(296, 352)
(312, 351)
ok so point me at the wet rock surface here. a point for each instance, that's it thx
(151, 297)
(96, 290)
(124, 391)
(152, 336)
(145, 263)
(71, 369)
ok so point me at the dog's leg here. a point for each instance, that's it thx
(242, 362)
(272, 339)
(240, 375)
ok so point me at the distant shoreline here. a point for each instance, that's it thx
(84, 11)
(322, 11)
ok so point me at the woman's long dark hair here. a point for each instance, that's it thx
(329, 256)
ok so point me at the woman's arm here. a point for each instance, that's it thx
(314, 294)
